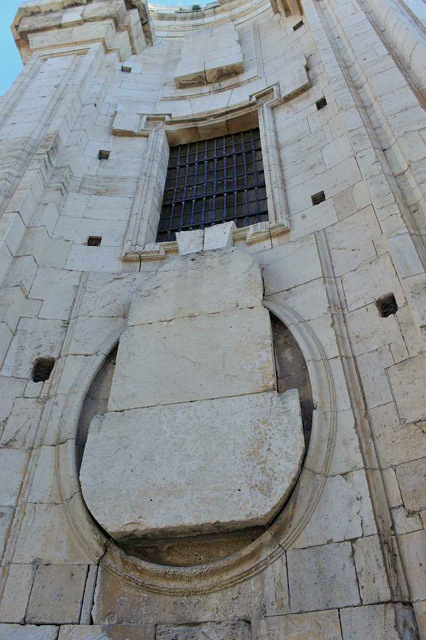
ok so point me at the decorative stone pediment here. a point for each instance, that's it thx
(196, 439)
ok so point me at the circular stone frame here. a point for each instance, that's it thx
(253, 558)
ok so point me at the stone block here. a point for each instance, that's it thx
(44, 486)
(12, 466)
(57, 594)
(6, 515)
(208, 631)
(57, 290)
(407, 381)
(413, 552)
(377, 622)
(371, 571)
(188, 359)
(14, 601)
(346, 494)
(247, 450)
(370, 281)
(45, 536)
(190, 241)
(29, 632)
(322, 577)
(412, 483)
(219, 236)
(290, 264)
(33, 338)
(169, 293)
(209, 55)
(107, 631)
(11, 389)
(318, 625)
(21, 426)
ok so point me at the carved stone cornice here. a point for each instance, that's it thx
(45, 26)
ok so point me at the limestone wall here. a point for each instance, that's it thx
(345, 557)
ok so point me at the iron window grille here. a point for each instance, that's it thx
(214, 181)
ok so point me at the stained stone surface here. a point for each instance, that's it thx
(197, 330)
(194, 358)
(209, 56)
(208, 631)
(142, 468)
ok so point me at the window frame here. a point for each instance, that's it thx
(164, 132)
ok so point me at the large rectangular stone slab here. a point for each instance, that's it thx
(199, 284)
(195, 467)
(188, 359)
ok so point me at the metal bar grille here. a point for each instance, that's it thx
(214, 181)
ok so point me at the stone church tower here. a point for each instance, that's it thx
(213, 320)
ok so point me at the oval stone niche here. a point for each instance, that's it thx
(193, 433)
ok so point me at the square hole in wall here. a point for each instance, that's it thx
(298, 25)
(42, 368)
(321, 103)
(103, 154)
(318, 197)
(94, 241)
(126, 69)
(387, 305)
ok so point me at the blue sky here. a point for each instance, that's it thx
(10, 61)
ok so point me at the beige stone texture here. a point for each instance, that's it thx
(322, 577)
(56, 594)
(321, 625)
(371, 572)
(412, 481)
(228, 354)
(378, 622)
(205, 59)
(29, 632)
(107, 632)
(12, 467)
(170, 291)
(16, 593)
(248, 450)
(208, 630)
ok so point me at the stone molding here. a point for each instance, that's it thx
(265, 549)
(42, 26)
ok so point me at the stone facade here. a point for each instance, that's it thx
(287, 357)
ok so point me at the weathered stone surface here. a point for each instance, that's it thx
(34, 338)
(6, 515)
(194, 358)
(14, 601)
(21, 426)
(342, 494)
(29, 632)
(198, 285)
(219, 236)
(371, 571)
(318, 625)
(57, 594)
(190, 241)
(107, 632)
(204, 58)
(208, 630)
(12, 466)
(412, 481)
(322, 577)
(141, 468)
(376, 622)
(413, 552)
